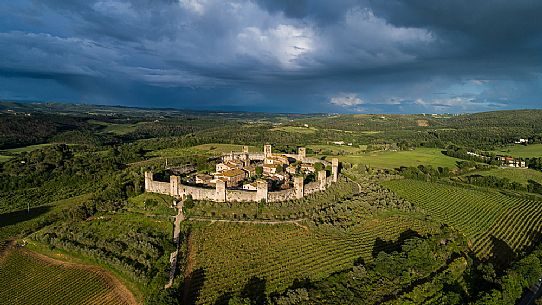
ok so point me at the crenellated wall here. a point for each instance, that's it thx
(311, 187)
(220, 193)
(240, 195)
(283, 195)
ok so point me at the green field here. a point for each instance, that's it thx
(27, 279)
(296, 129)
(337, 149)
(395, 159)
(519, 175)
(212, 149)
(524, 151)
(4, 158)
(117, 129)
(227, 255)
(484, 216)
(27, 148)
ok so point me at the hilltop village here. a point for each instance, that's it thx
(246, 176)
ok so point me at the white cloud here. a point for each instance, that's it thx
(347, 100)
(283, 43)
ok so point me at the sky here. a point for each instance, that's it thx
(299, 56)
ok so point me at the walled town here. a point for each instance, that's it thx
(280, 177)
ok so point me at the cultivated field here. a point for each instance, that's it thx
(486, 217)
(225, 256)
(28, 278)
(394, 159)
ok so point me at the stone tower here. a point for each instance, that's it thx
(267, 151)
(298, 186)
(301, 153)
(148, 181)
(245, 149)
(174, 183)
(335, 169)
(220, 191)
(322, 179)
(246, 159)
(261, 190)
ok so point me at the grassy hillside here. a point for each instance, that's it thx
(524, 151)
(496, 224)
(394, 159)
(519, 175)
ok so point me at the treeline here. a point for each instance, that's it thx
(509, 287)
(61, 171)
(21, 130)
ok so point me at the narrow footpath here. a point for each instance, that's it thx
(175, 254)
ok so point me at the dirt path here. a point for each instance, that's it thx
(119, 291)
(5, 247)
(265, 222)
(173, 257)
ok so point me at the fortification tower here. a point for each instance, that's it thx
(267, 151)
(301, 153)
(298, 186)
(261, 190)
(322, 179)
(245, 149)
(220, 191)
(148, 180)
(335, 169)
(174, 183)
(246, 159)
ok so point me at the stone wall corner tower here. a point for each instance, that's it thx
(261, 190)
(322, 180)
(174, 183)
(220, 191)
(335, 169)
(267, 150)
(148, 180)
(301, 153)
(298, 186)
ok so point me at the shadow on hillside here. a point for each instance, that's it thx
(501, 254)
(12, 218)
(535, 238)
(193, 285)
(388, 246)
(254, 291)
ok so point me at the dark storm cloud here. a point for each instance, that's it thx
(299, 56)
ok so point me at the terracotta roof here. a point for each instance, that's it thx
(232, 173)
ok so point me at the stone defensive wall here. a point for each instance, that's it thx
(221, 194)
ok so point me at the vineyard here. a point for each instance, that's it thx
(227, 255)
(486, 217)
(27, 279)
